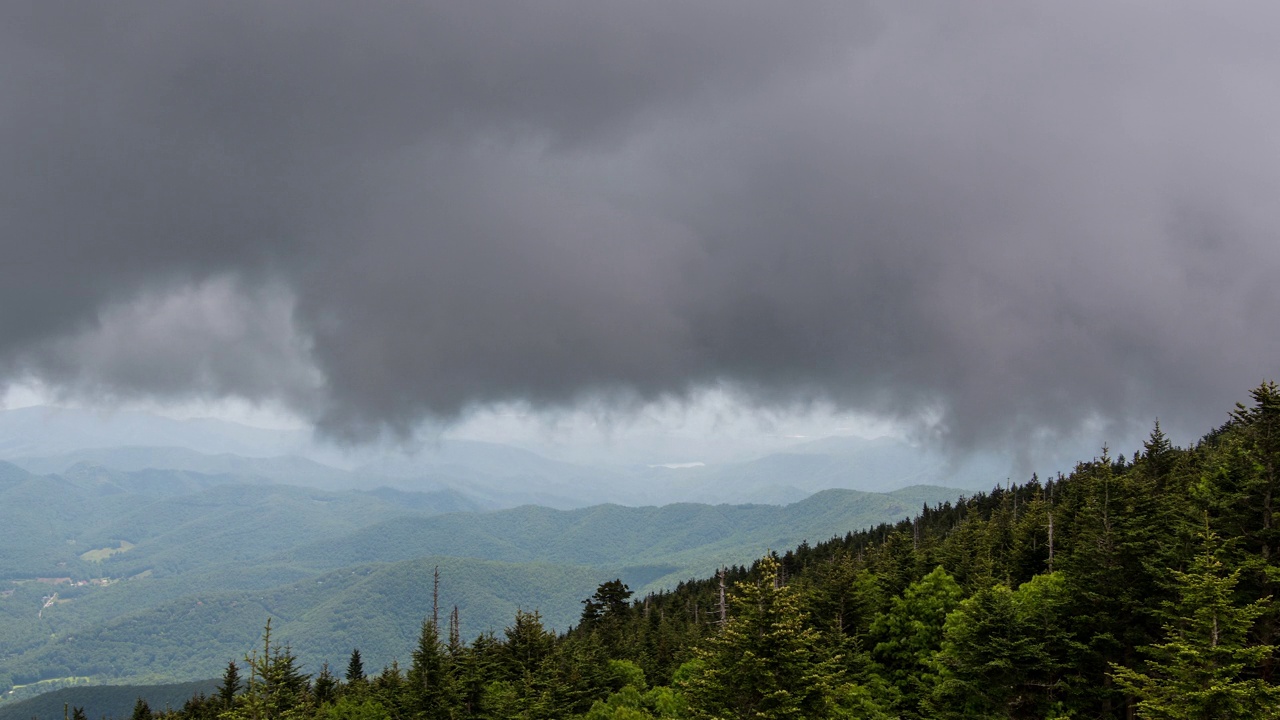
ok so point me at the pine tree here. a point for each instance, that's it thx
(528, 643)
(429, 678)
(325, 687)
(1203, 670)
(230, 686)
(1158, 452)
(276, 688)
(767, 660)
(1114, 565)
(355, 668)
(1003, 653)
(141, 710)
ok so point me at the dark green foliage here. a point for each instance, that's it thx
(1004, 653)
(355, 668)
(608, 603)
(1201, 670)
(230, 686)
(430, 682)
(325, 688)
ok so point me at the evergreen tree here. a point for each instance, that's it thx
(1003, 653)
(388, 689)
(1115, 562)
(528, 643)
(1202, 669)
(141, 710)
(1244, 487)
(428, 678)
(843, 597)
(230, 685)
(325, 687)
(606, 613)
(276, 689)
(609, 598)
(355, 668)
(1158, 452)
(767, 661)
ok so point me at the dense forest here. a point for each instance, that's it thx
(1137, 586)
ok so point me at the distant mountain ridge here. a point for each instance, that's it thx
(173, 573)
(692, 538)
(284, 469)
(52, 440)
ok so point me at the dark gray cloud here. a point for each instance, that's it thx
(1010, 218)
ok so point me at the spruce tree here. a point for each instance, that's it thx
(230, 685)
(1206, 667)
(429, 679)
(355, 668)
(325, 687)
(1004, 652)
(767, 660)
(277, 688)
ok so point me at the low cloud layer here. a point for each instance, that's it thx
(1010, 220)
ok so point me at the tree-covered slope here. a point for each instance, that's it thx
(152, 586)
(689, 538)
(378, 606)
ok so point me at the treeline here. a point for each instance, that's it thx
(1136, 586)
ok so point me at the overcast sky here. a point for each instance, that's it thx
(995, 224)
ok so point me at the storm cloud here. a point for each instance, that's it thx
(1009, 218)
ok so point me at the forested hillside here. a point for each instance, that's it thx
(1139, 585)
(105, 580)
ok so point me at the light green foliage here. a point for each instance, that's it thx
(1003, 653)
(353, 708)
(626, 704)
(632, 702)
(625, 673)
(909, 635)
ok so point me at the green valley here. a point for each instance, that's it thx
(153, 585)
